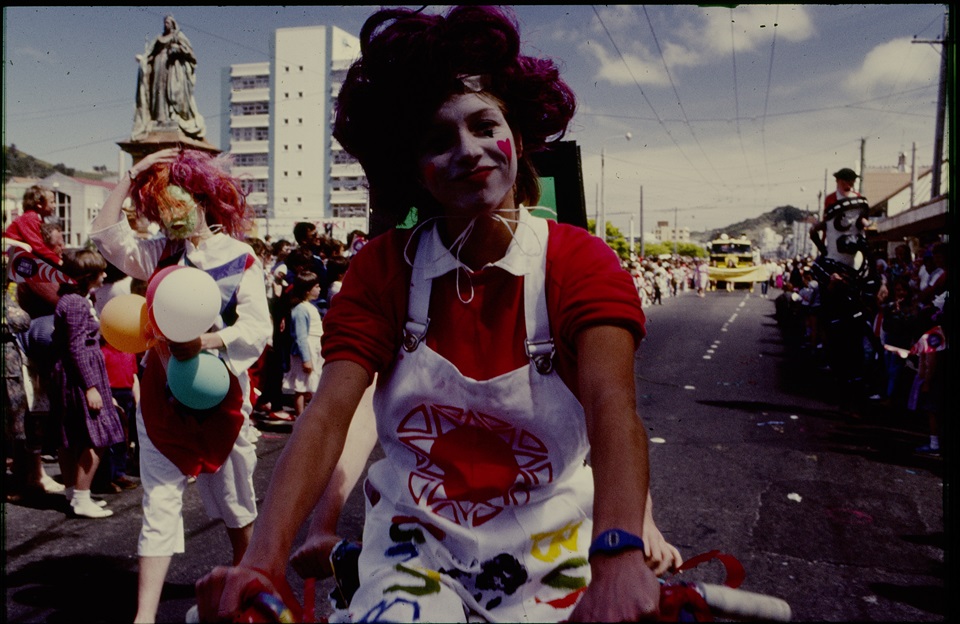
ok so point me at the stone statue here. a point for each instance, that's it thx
(165, 83)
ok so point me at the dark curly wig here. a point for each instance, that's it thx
(410, 64)
(206, 179)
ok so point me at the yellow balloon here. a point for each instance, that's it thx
(123, 322)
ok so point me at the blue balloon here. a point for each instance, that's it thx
(200, 383)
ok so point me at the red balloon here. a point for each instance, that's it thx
(152, 288)
(155, 281)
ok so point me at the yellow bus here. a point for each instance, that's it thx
(734, 260)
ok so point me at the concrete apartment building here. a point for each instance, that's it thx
(279, 133)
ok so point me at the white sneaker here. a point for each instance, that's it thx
(193, 615)
(90, 509)
(99, 502)
(50, 486)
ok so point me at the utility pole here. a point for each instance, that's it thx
(863, 163)
(913, 175)
(675, 211)
(642, 249)
(941, 109)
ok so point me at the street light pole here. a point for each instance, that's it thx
(602, 221)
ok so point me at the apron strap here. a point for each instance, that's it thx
(539, 344)
(415, 330)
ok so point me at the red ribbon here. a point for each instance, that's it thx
(681, 601)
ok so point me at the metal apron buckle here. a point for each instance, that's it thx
(541, 354)
(413, 334)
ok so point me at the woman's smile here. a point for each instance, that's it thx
(467, 157)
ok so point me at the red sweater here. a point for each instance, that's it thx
(586, 286)
(26, 229)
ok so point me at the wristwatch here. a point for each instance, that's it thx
(615, 541)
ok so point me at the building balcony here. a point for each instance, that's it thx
(358, 197)
(243, 96)
(249, 147)
(250, 121)
(256, 173)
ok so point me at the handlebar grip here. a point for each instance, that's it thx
(740, 604)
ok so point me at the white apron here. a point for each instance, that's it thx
(482, 507)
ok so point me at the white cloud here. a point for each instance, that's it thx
(623, 71)
(689, 37)
(33, 55)
(753, 27)
(897, 64)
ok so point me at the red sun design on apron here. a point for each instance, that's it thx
(470, 466)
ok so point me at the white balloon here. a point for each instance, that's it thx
(186, 304)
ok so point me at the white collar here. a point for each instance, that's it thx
(522, 255)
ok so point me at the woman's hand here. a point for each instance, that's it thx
(308, 367)
(312, 560)
(661, 556)
(222, 593)
(623, 589)
(94, 400)
(186, 350)
(190, 349)
(164, 156)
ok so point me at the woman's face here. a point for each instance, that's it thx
(180, 217)
(468, 157)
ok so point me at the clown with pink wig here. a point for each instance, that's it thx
(201, 210)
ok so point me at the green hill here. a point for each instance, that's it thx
(21, 164)
(781, 220)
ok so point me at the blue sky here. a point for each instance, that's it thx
(731, 112)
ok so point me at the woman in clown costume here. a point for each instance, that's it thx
(502, 345)
(201, 211)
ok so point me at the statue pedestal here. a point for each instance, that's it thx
(159, 139)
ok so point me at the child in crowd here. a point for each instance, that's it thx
(89, 420)
(306, 328)
(38, 204)
(926, 395)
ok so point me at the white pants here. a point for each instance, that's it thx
(227, 495)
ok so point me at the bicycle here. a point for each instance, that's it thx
(680, 601)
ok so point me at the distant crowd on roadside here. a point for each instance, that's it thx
(905, 328)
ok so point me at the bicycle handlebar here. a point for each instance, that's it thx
(743, 605)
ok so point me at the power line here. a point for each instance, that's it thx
(736, 96)
(686, 120)
(647, 100)
(766, 98)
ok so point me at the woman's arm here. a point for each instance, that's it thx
(299, 477)
(311, 560)
(112, 210)
(623, 588)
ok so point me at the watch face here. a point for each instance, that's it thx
(613, 539)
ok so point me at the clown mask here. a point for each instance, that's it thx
(178, 213)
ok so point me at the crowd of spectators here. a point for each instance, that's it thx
(307, 270)
(905, 328)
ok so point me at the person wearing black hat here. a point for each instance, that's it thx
(845, 178)
(848, 283)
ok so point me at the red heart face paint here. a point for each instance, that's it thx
(506, 148)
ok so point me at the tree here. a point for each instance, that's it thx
(615, 239)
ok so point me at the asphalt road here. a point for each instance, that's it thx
(749, 456)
